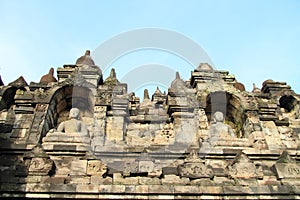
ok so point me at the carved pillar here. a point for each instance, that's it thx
(99, 127)
(23, 116)
(39, 126)
(115, 123)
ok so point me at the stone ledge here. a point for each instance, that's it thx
(71, 189)
(146, 191)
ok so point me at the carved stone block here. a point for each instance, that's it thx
(40, 166)
(195, 170)
(78, 167)
(243, 167)
(287, 170)
(146, 166)
(243, 170)
(96, 167)
(114, 128)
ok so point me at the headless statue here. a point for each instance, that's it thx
(73, 125)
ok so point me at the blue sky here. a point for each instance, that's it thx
(254, 40)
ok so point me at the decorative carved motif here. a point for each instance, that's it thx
(96, 167)
(38, 162)
(40, 166)
(76, 79)
(194, 167)
(286, 167)
(242, 167)
(41, 107)
(145, 163)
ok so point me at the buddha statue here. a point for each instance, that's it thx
(74, 124)
(219, 128)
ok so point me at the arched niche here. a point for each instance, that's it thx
(216, 101)
(7, 99)
(229, 105)
(7, 114)
(63, 100)
(288, 102)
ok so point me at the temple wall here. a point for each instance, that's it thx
(204, 138)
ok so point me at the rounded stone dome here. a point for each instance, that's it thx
(204, 67)
(85, 59)
(178, 82)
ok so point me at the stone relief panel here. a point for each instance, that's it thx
(286, 167)
(38, 162)
(194, 167)
(96, 167)
(243, 167)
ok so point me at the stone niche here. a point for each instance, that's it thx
(230, 106)
(63, 100)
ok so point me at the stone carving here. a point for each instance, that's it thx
(147, 104)
(194, 167)
(145, 163)
(96, 167)
(164, 136)
(112, 79)
(178, 85)
(242, 167)
(77, 79)
(239, 86)
(70, 135)
(202, 118)
(255, 89)
(40, 166)
(73, 125)
(204, 67)
(86, 59)
(288, 137)
(218, 129)
(257, 138)
(100, 156)
(19, 83)
(48, 78)
(286, 167)
(38, 162)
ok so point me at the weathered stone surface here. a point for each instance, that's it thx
(149, 181)
(286, 167)
(98, 180)
(174, 180)
(40, 166)
(115, 128)
(287, 170)
(96, 167)
(194, 167)
(80, 180)
(207, 137)
(242, 167)
(78, 167)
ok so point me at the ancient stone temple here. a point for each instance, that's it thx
(82, 135)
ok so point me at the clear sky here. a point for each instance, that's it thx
(253, 39)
